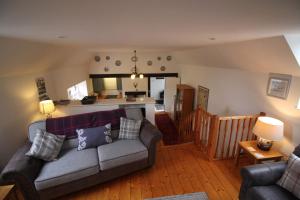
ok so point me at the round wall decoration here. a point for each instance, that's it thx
(162, 68)
(158, 58)
(107, 57)
(169, 58)
(149, 63)
(134, 58)
(118, 63)
(97, 58)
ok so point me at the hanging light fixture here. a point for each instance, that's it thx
(134, 74)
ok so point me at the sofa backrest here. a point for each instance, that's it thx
(132, 113)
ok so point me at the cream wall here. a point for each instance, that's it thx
(19, 107)
(238, 92)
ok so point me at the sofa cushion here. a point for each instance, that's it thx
(290, 178)
(71, 165)
(129, 128)
(272, 192)
(121, 152)
(94, 137)
(46, 146)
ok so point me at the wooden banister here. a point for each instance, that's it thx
(217, 137)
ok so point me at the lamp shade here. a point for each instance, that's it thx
(47, 106)
(269, 128)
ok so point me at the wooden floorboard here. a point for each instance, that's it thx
(179, 169)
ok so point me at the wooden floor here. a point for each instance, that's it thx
(179, 169)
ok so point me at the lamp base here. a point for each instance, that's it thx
(264, 144)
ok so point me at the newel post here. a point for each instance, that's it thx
(213, 135)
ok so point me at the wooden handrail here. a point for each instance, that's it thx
(216, 136)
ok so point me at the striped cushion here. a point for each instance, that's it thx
(46, 146)
(129, 128)
(291, 177)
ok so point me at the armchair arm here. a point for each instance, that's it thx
(150, 135)
(261, 175)
(23, 170)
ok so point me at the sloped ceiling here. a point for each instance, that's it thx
(25, 57)
(263, 55)
(157, 24)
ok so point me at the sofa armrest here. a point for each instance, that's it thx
(261, 175)
(150, 135)
(23, 170)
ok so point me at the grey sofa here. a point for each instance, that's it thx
(75, 170)
(259, 181)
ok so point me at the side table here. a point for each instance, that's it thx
(253, 151)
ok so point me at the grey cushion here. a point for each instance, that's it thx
(121, 152)
(46, 146)
(68, 143)
(33, 127)
(71, 165)
(134, 113)
(290, 178)
(129, 128)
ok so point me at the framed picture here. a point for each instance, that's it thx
(202, 97)
(279, 85)
(41, 87)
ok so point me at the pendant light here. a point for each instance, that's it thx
(134, 74)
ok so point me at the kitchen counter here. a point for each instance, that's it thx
(75, 107)
(104, 102)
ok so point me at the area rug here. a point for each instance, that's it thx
(191, 196)
(167, 127)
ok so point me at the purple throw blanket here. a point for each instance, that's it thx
(68, 125)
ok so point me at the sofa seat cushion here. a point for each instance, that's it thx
(272, 192)
(71, 165)
(121, 152)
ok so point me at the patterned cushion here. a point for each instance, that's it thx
(129, 128)
(94, 137)
(291, 177)
(46, 146)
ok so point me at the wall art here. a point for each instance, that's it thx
(279, 85)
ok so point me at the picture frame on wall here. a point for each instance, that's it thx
(202, 97)
(279, 85)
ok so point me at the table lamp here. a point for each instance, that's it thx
(47, 107)
(267, 129)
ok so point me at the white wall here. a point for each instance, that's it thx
(19, 107)
(238, 92)
(157, 85)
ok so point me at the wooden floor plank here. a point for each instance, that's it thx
(178, 169)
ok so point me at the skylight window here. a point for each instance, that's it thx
(78, 91)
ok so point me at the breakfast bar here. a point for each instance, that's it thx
(75, 107)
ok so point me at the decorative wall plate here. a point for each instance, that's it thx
(106, 69)
(107, 57)
(118, 63)
(162, 68)
(158, 58)
(149, 63)
(169, 58)
(134, 58)
(97, 58)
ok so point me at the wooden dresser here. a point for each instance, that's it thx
(184, 101)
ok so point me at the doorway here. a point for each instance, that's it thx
(157, 92)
